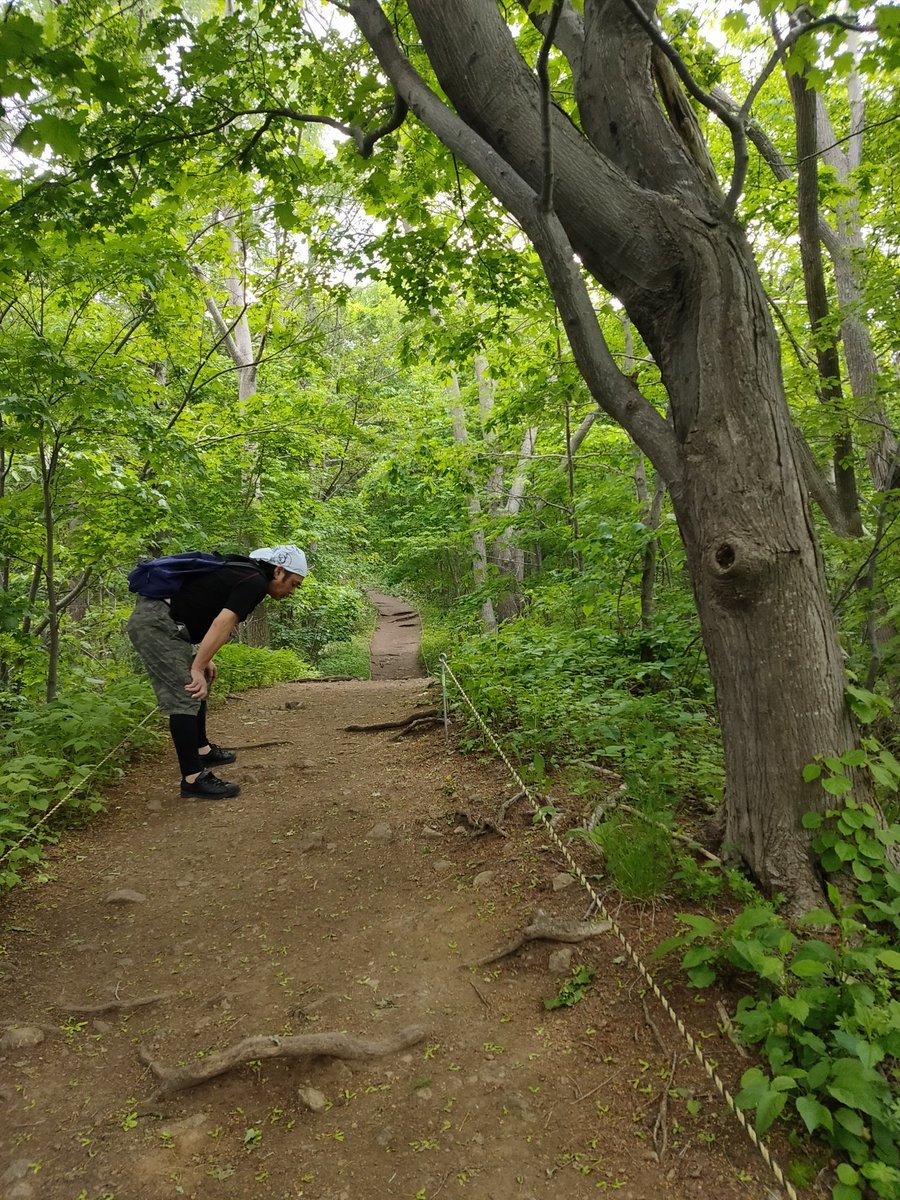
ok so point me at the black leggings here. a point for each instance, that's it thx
(185, 731)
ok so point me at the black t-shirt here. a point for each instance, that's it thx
(239, 587)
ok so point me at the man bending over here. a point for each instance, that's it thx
(178, 639)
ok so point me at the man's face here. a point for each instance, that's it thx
(284, 583)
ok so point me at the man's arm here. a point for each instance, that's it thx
(216, 637)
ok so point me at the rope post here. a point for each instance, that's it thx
(444, 698)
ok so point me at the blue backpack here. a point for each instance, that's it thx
(163, 578)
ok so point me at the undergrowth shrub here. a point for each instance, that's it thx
(439, 636)
(347, 658)
(320, 613)
(825, 1004)
(586, 694)
(638, 856)
(243, 667)
(47, 750)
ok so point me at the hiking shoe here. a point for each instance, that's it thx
(209, 787)
(218, 756)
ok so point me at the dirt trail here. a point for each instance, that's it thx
(394, 653)
(345, 889)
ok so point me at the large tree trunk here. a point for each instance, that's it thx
(645, 220)
(755, 566)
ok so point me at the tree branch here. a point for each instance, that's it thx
(394, 121)
(569, 34)
(784, 44)
(734, 124)
(617, 395)
(91, 166)
(543, 75)
(821, 490)
(779, 168)
(69, 598)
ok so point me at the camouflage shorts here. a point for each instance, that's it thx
(166, 650)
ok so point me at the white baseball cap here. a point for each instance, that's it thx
(291, 558)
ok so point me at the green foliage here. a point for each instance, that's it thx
(320, 613)
(854, 841)
(48, 750)
(698, 882)
(638, 855)
(826, 1008)
(583, 692)
(346, 658)
(572, 990)
(439, 636)
(242, 667)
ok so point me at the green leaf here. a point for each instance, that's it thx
(882, 776)
(697, 955)
(701, 977)
(843, 1191)
(814, 1113)
(703, 926)
(795, 1007)
(754, 1086)
(822, 917)
(890, 958)
(851, 1121)
(768, 1109)
(810, 772)
(856, 1086)
(807, 968)
(837, 785)
(60, 135)
(735, 22)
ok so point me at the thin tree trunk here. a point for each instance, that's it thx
(510, 557)
(48, 470)
(825, 342)
(862, 366)
(479, 546)
(5, 562)
(493, 489)
(238, 342)
(650, 509)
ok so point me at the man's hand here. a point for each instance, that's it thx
(203, 669)
(198, 687)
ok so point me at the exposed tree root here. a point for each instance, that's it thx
(301, 1045)
(257, 745)
(661, 1124)
(108, 1006)
(331, 679)
(545, 928)
(476, 825)
(418, 726)
(421, 715)
(507, 805)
